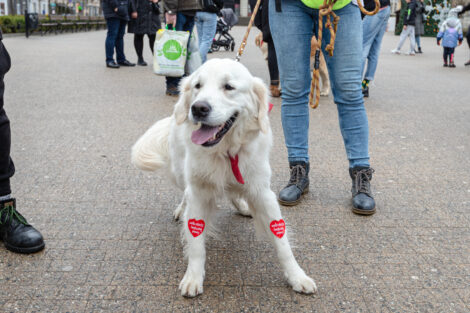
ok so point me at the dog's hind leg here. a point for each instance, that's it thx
(267, 217)
(240, 204)
(200, 207)
(180, 209)
(325, 80)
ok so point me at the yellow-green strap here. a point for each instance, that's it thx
(316, 4)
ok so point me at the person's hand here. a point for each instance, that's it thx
(154, 1)
(460, 43)
(115, 10)
(170, 19)
(438, 43)
(134, 14)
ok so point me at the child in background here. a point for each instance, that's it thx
(450, 33)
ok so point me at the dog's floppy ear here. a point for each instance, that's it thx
(182, 106)
(261, 95)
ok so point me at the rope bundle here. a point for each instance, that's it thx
(332, 24)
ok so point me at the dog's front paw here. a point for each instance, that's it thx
(302, 283)
(191, 285)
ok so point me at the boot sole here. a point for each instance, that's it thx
(286, 203)
(25, 250)
(363, 212)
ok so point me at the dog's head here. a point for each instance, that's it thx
(220, 96)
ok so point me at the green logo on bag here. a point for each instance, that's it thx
(172, 50)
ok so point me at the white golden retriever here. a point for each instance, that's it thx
(217, 144)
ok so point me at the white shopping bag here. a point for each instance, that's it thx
(194, 59)
(170, 51)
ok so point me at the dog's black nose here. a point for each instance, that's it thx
(200, 109)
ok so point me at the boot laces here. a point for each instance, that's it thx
(362, 181)
(296, 173)
(8, 213)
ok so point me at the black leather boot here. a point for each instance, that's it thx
(363, 201)
(298, 184)
(15, 232)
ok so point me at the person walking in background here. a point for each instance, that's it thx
(116, 13)
(419, 24)
(15, 232)
(146, 22)
(408, 28)
(451, 33)
(262, 22)
(373, 29)
(206, 23)
(180, 15)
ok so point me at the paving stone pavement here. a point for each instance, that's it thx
(112, 244)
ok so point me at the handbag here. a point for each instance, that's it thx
(170, 52)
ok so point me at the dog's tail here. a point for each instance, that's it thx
(151, 151)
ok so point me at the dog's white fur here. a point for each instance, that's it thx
(205, 174)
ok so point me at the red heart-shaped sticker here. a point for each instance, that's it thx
(278, 228)
(196, 227)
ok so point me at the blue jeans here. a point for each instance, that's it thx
(374, 27)
(292, 30)
(418, 40)
(183, 22)
(206, 24)
(115, 39)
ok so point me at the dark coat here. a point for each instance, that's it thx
(148, 18)
(419, 21)
(410, 13)
(262, 19)
(124, 8)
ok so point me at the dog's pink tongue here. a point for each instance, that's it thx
(203, 134)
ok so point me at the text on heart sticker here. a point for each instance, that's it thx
(196, 227)
(278, 228)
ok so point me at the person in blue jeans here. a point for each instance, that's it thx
(179, 14)
(116, 13)
(292, 26)
(374, 27)
(206, 23)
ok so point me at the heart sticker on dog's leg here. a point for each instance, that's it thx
(278, 228)
(196, 227)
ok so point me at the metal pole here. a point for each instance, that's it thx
(26, 22)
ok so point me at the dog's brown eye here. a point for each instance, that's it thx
(228, 87)
(198, 85)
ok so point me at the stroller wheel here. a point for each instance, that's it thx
(215, 47)
(232, 46)
(227, 47)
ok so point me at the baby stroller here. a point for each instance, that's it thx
(222, 37)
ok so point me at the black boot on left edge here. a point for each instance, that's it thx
(363, 201)
(17, 235)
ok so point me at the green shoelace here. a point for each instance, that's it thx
(9, 212)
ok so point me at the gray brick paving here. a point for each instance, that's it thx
(112, 244)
